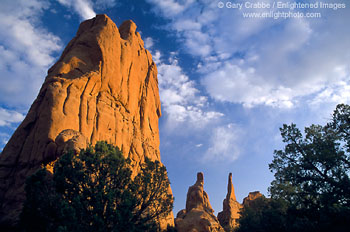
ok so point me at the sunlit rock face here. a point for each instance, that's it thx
(103, 87)
(231, 207)
(198, 215)
(251, 197)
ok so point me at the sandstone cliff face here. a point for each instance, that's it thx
(198, 215)
(230, 213)
(103, 87)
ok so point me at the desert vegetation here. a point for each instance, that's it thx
(95, 191)
(311, 189)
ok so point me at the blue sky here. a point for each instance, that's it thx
(227, 83)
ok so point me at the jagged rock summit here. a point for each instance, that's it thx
(231, 207)
(198, 215)
(103, 87)
(251, 197)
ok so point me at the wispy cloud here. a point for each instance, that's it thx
(104, 4)
(83, 7)
(285, 65)
(26, 49)
(233, 84)
(181, 100)
(7, 117)
(224, 144)
(170, 8)
(262, 61)
(148, 42)
(86, 8)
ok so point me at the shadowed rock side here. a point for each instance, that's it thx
(103, 87)
(230, 213)
(198, 215)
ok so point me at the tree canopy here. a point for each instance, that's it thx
(264, 214)
(312, 170)
(311, 189)
(94, 191)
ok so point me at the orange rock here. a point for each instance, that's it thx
(103, 87)
(231, 208)
(198, 215)
(251, 197)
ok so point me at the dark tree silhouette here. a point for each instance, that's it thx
(94, 191)
(311, 190)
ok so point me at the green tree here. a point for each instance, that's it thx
(153, 198)
(311, 190)
(312, 172)
(263, 214)
(277, 215)
(94, 191)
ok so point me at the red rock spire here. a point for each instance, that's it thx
(103, 87)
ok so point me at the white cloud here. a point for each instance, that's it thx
(180, 98)
(197, 43)
(261, 61)
(148, 43)
(293, 65)
(335, 93)
(26, 49)
(36, 42)
(186, 25)
(104, 4)
(224, 144)
(7, 117)
(157, 57)
(171, 7)
(83, 7)
(233, 84)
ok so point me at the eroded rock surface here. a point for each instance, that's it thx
(251, 197)
(198, 215)
(103, 87)
(231, 208)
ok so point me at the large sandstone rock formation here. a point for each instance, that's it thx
(198, 215)
(103, 87)
(230, 213)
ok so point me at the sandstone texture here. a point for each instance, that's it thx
(231, 208)
(198, 215)
(103, 87)
(251, 197)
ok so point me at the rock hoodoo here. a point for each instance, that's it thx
(198, 215)
(103, 87)
(230, 213)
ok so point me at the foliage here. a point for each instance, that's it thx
(94, 191)
(153, 199)
(275, 215)
(313, 171)
(311, 190)
(263, 214)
